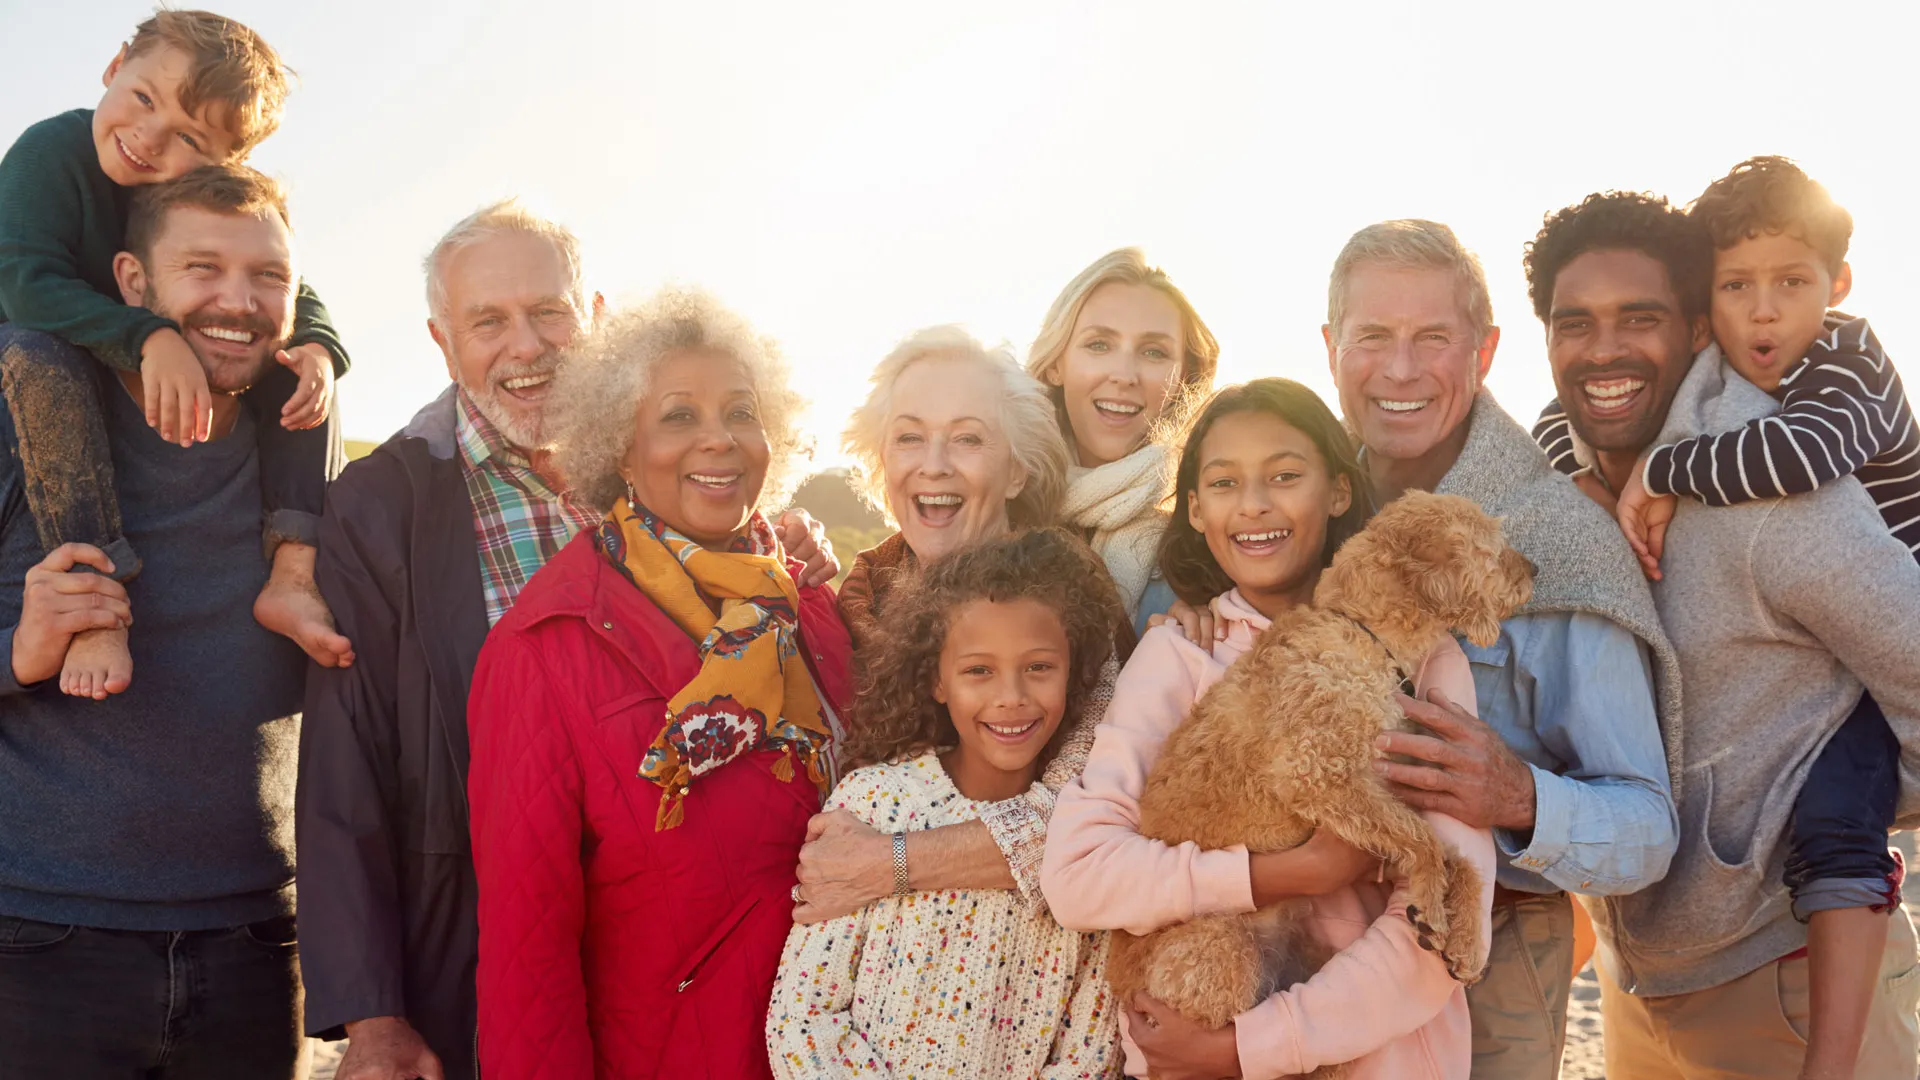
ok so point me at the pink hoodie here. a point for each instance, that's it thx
(1383, 1002)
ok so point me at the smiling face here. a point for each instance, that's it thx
(510, 310)
(227, 279)
(1003, 677)
(141, 134)
(1407, 363)
(1619, 347)
(948, 466)
(1263, 501)
(1122, 361)
(1770, 296)
(699, 456)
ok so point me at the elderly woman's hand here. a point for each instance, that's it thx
(1175, 1047)
(806, 540)
(845, 865)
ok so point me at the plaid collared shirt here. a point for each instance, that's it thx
(519, 520)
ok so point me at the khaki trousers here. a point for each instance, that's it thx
(1756, 1025)
(1519, 1008)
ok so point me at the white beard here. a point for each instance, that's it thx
(521, 431)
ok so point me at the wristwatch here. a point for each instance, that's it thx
(901, 886)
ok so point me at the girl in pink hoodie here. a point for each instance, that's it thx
(1268, 487)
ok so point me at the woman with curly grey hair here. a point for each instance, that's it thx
(957, 446)
(651, 722)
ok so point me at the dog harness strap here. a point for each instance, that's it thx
(1406, 683)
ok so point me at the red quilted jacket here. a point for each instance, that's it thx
(608, 949)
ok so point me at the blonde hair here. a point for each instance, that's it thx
(1026, 415)
(1126, 266)
(1413, 244)
(508, 215)
(229, 65)
(603, 378)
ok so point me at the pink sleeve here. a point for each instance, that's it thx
(1383, 986)
(1099, 872)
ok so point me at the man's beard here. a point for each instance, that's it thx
(523, 428)
(225, 375)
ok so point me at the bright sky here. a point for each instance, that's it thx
(844, 173)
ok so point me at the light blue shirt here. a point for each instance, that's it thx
(1572, 694)
(1156, 600)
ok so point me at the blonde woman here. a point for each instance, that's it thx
(1119, 345)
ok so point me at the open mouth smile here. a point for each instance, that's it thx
(1262, 543)
(528, 387)
(139, 163)
(1402, 406)
(1612, 397)
(938, 508)
(1011, 733)
(1117, 413)
(226, 334)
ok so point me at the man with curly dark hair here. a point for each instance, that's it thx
(1614, 401)
(1706, 972)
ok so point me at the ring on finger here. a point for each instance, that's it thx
(796, 894)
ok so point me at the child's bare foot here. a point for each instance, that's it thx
(97, 664)
(290, 605)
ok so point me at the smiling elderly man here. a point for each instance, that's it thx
(425, 543)
(1567, 764)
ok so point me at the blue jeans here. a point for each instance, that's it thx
(85, 1004)
(1839, 857)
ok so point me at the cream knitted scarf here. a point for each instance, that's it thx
(1120, 503)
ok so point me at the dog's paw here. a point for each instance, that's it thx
(1423, 930)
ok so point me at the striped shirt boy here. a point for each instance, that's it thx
(1842, 412)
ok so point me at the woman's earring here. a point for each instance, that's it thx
(633, 500)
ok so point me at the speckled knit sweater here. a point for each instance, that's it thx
(939, 984)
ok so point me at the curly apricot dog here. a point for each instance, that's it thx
(1283, 744)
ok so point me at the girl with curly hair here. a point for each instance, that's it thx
(979, 665)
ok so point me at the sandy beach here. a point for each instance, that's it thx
(1584, 1058)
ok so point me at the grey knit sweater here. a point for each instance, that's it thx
(1582, 564)
(1779, 610)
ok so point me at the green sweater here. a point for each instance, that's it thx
(61, 223)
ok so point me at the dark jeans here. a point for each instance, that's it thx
(92, 1004)
(66, 468)
(1839, 856)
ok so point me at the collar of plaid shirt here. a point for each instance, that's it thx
(519, 520)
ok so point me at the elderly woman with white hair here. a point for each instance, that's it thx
(651, 722)
(956, 445)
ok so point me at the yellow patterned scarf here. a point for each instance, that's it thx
(753, 690)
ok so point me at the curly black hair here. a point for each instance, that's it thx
(1772, 195)
(1185, 561)
(1623, 221)
(895, 716)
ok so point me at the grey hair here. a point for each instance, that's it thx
(1415, 244)
(508, 215)
(1026, 415)
(603, 378)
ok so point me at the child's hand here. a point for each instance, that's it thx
(1644, 517)
(179, 405)
(313, 400)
